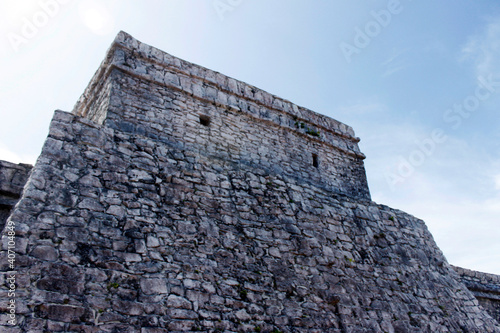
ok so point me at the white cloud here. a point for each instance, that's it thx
(483, 50)
(455, 191)
(464, 228)
(467, 232)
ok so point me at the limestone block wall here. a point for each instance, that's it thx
(154, 208)
(485, 287)
(12, 180)
(120, 232)
(151, 93)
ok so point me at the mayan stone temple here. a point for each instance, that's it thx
(176, 199)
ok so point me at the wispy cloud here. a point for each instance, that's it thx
(393, 69)
(394, 63)
(396, 53)
(457, 195)
(483, 50)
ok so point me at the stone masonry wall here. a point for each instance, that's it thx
(137, 217)
(163, 98)
(119, 232)
(485, 287)
(13, 177)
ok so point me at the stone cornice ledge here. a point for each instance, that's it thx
(481, 284)
(138, 59)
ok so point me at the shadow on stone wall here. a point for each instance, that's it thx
(13, 177)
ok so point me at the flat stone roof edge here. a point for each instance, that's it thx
(159, 57)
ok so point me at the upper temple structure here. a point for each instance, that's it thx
(176, 199)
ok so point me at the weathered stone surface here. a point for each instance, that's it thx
(13, 177)
(178, 199)
(154, 286)
(486, 288)
(64, 313)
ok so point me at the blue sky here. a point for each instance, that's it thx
(419, 81)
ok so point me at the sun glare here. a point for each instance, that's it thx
(96, 17)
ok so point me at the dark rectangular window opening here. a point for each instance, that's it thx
(204, 120)
(315, 160)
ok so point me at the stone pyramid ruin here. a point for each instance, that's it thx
(176, 199)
